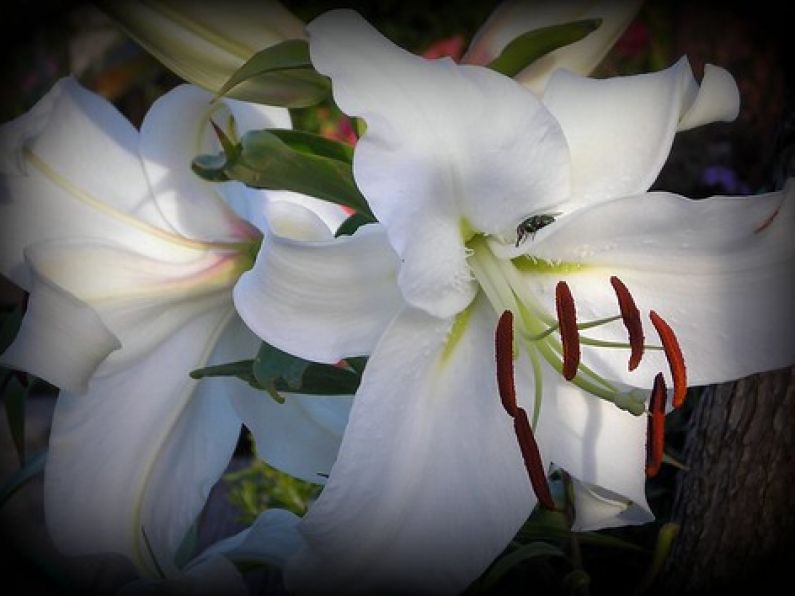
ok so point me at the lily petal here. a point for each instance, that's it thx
(512, 19)
(429, 485)
(433, 166)
(159, 441)
(637, 118)
(272, 539)
(301, 436)
(62, 339)
(718, 270)
(42, 197)
(321, 300)
(596, 443)
(175, 130)
(141, 300)
(596, 508)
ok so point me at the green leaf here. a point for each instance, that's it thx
(553, 526)
(577, 582)
(357, 363)
(280, 75)
(665, 540)
(504, 564)
(306, 142)
(271, 365)
(279, 371)
(210, 167)
(527, 48)
(242, 369)
(353, 223)
(325, 379)
(264, 160)
(10, 327)
(34, 466)
(15, 395)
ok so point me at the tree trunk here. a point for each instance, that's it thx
(735, 503)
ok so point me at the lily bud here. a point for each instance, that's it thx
(206, 43)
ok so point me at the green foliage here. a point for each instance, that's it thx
(281, 160)
(15, 395)
(33, 467)
(529, 47)
(281, 75)
(546, 554)
(353, 223)
(274, 371)
(14, 387)
(271, 365)
(258, 487)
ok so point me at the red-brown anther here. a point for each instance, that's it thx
(675, 359)
(631, 317)
(569, 334)
(655, 427)
(503, 347)
(532, 459)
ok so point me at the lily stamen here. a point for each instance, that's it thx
(503, 343)
(655, 430)
(532, 459)
(675, 359)
(631, 317)
(569, 334)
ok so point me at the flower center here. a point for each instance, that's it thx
(556, 338)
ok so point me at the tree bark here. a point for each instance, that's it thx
(735, 502)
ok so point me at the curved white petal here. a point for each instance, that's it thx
(140, 450)
(439, 157)
(513, 18)
(61, 339)
(718, 270)
(292, 220)
(70, 168)
(595, 442)
(596, 509)
(322, 301)
(300, 436)
(620, 130)
(717, 99)
(292, 436)
(273, 538)
(176, 129)
(429, 485)
(331, 214)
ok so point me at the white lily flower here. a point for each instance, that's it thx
(515, 17)
(206, 42)
(131, 260)
(430, 484)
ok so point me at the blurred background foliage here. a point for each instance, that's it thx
(46, 40)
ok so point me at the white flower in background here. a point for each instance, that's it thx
(130, 260)
(488, 198)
